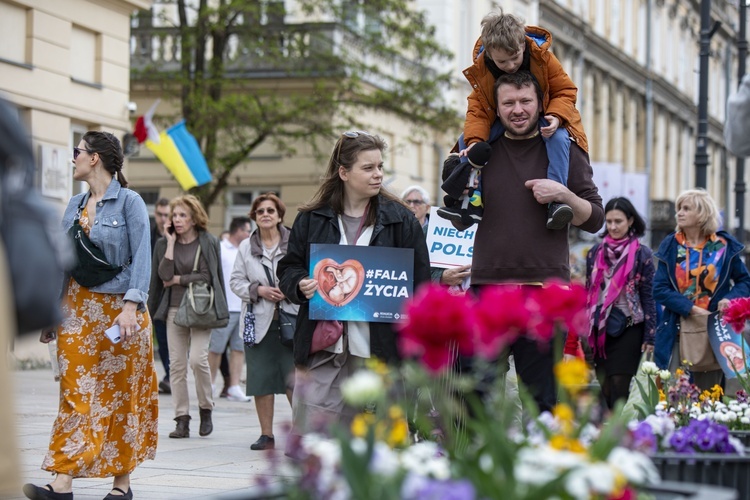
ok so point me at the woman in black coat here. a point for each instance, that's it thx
(349, 208)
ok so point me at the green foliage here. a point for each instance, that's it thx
(649, 397)
(244, 76)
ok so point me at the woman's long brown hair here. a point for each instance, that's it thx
(344, 154)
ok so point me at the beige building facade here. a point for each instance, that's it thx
(638, 100)
(66, 64)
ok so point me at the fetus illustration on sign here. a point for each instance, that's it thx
(733, 354)
(338, 284)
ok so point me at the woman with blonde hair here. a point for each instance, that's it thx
(699, 269)
(350, 207)
(173, 270)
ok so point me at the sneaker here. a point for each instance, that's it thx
(461, 219)
(165, 387)
(235, 393)
(559, 216)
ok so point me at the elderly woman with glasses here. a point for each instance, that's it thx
(270, 367)
(350, 207)
(107, 421)
(418, 200)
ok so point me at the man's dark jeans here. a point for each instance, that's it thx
(160, 330)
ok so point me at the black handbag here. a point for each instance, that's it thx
(617, 322)
(287, 320)
(92, 268)
(287, 327)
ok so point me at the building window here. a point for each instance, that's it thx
(239, 202)
(150, 196)
(76, 134)
(13, 27)
(83, 56)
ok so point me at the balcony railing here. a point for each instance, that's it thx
(274, 50)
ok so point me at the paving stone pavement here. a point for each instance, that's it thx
(194, 468)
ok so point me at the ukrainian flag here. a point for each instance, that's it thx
(178, 150)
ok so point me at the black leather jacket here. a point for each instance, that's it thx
(396, 227)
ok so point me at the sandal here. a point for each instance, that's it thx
(125, 495)
(35, 492)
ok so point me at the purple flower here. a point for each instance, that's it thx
(741, 397)
(422, 488)
(706, 441)
(681, 441)
(644, 438)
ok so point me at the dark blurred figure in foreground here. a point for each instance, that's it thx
(30, 261)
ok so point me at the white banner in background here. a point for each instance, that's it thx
(613, 182)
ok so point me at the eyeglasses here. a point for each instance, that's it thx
(77, 151)
(269, 211)
(351, 134)
(416, 203)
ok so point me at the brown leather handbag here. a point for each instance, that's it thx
(694, 345)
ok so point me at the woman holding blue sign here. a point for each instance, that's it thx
(350, 208)
(699, 270)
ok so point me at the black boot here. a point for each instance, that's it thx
(207, 427)
(183, 427)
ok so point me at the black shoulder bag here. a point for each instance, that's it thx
(92, 268)
(287, 320)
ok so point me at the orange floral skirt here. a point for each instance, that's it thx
(109, 401)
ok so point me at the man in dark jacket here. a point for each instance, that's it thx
(161, 218)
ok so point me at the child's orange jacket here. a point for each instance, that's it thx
(558, 90)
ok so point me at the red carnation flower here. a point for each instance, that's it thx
(436, 320)
(737, 313)
(502, 315)
(556, 304)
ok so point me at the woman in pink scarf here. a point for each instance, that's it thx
(622, 311)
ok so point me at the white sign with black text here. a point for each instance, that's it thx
(448, 247)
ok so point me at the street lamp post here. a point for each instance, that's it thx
(739, 183)
(701, 149)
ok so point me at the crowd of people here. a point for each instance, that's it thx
(209, 302)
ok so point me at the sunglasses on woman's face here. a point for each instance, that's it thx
(269, 211)
(77, 151)
(351, 134)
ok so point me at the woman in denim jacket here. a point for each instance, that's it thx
(107, 421)
(698, 271)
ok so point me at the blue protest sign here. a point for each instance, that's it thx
(727, 346)
(358, 283)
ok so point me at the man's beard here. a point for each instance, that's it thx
(533, 124)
